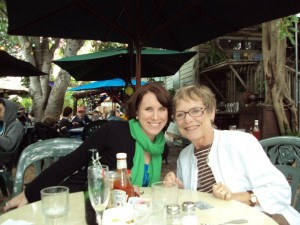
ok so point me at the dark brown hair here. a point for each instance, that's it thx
(50, 121)
(162, 95)
(67, 111)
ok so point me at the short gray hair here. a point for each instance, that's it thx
(196, 92)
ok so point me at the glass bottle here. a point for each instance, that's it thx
(90, 215)
(173, 216)
(123, 188)
(188, 214)
(256, 131)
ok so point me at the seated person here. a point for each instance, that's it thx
(231, 165)
(96, 115)
(31, 117)
(114, 115)
(81, 119)
(22, 117)
(64, 124)
(12, 129)
(46, 129)
(143, 141)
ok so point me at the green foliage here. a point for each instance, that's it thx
(98, 45)
(287, 28)
(8, 43)
(68, 100)
(214, 56)
(27, 103)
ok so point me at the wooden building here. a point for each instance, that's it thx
(240, 71)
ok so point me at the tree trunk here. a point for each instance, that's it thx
(278, 93)
(40, 52)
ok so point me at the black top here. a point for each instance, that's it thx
(113, 137)
(64, 125)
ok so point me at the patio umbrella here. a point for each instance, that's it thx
(11, 66)
(119, 62)
(104, 84)
(170, 24)
(9, 87)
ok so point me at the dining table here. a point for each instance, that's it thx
(76, 132)
(219, 211)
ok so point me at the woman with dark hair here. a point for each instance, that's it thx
(149, 110)
(64, 124)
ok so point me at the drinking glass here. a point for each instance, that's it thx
(55, 205)
(164, 193)
(99, 189)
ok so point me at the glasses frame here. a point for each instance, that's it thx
(202, 109)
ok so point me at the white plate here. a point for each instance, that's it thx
(118, 216)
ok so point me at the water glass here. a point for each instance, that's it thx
(164, 193)
(55, 205)
(147, 214)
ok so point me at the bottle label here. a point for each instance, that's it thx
(121, 164)
(119, 198)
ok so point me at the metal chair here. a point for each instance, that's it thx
(9, 161)
(284, 153)
(42, 153)
(91, 128)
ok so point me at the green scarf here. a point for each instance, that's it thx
(142, 144)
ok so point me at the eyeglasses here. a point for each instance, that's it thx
(193, 112)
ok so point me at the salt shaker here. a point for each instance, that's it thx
(173, 214)
(188, 214)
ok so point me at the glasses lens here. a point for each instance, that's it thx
(196, 112)
(179, 115)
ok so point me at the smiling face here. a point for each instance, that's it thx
(198, 130)
(151, 115)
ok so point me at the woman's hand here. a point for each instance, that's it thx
(171, 177)
(16, 202)
(222, 192)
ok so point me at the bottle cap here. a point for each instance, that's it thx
(121, 155)
(173, 209)
(188, 206)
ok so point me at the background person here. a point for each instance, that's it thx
(229, 164)
(114, 115)
(64, 124)
(149, 109)
(22, 116)
(81, 119)
(12, 129)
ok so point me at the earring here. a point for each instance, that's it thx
(136, 117)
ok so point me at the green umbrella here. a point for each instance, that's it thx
(114, 63)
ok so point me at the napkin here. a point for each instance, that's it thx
(16, 222)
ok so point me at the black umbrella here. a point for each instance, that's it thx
(11, 66)
(112, 63)
(170, 24)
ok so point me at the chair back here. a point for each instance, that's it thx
(46, 151)
(43, 131)
(284, 153)
(91, 128)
